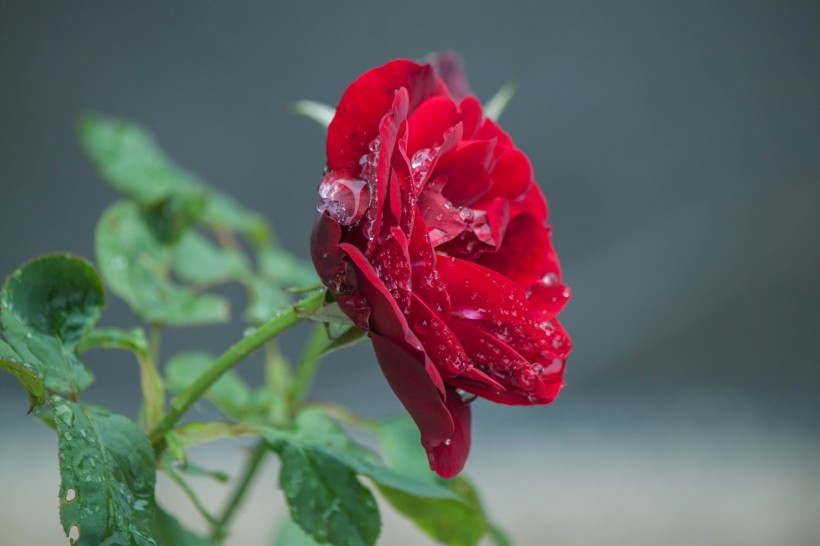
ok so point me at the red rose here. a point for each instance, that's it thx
(431, 235)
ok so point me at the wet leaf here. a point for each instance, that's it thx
(192, 434)
(455, 522)
(115, 338)
(223, 212)
(230, 393)
(325, 497)
(199, 261)
(129, 160)
(108, 474)
(290, 534)
(318, 475)
(136, 264)
(283, 269)
(46, 307)
(27, 374)
(170, 532)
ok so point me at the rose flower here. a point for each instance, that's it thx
(432, 237)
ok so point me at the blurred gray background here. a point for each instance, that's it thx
(678, 145)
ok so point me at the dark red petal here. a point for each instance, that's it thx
(440, 344)
(386, 318)
(426, 282)
(511, 174)
(365, 102)
(466, 170)
(450, 68)
(391, 261)
(532, 202)
(471, 116)
(526, 255)
(408, 378)
(548, 300)
(493, 303)
(489, 129)
(439, 215)
(388, 133)
(427, 125)
(447, 458)
(335, 271)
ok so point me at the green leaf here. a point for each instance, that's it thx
(230, 393)
(330, 314)
(108, 474)
(458, 523)
(498, 103)
(136, 263)
(192, 434)
(325, 498)
(27, 374)
(129, 160)
(170, 532)
(223, 212)
(266, 300)
(283, 269)
(46, 307)
(290, 534)
(316, 453)
(133, 340)
(318, 112)
(198, 260)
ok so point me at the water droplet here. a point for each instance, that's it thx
(70, 495)
(344, 197)
(420, 165)
(466, 215)
(448, 442)
(550, 279)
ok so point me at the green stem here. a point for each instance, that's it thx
(228, 359)
(251, 468)
(177, 479)
(311, 356)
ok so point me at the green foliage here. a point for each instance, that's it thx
(45, 308)
(161, 249)
(27, 374)
(319, 466)
(169, 532)
(455, 523)
(108, 475)
(230, 393)
(136, 263)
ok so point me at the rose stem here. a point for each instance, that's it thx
(228, 359)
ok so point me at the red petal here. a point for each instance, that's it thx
(365, 102)
(427, 284)
(471, 116)
(335, 271)
(439, 341)
(447, 458)
(408, 378)
(548, 300)
(526, 254)
(427, 125)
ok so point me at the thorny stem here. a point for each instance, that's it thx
(275, 326)
(253, 465)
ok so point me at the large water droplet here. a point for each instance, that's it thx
(420, 165)
(344, 197)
